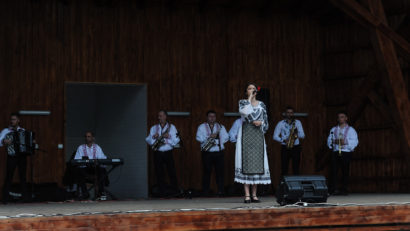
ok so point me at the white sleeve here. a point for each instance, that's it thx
(301, 133)
(173, 138)
(150, 140)
(3, 134)
(330, 139)
(245, 107)
(201, 135)
(100, 154)
(223, 135)
(78, 154)
(276, 133)
(233, 132)
(352, 140)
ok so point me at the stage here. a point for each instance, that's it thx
(353, 212)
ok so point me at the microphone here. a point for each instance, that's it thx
(254, 92)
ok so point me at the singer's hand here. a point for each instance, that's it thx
(257, 123)
(166, 136)
(213, 136)
(7, 141)
(155, 136)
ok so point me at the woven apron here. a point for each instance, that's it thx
(252, 149)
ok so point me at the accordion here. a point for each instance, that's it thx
(21, 143)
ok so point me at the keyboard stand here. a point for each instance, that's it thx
(97, 181)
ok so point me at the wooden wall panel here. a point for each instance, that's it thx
(191, 61)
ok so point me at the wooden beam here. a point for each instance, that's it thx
(381, 106)
(396, 88)
(367, 19)
(359, 99)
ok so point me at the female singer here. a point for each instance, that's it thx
(251, 161)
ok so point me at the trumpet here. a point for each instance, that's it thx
(210, 142)
(292, 137)
(340, 143)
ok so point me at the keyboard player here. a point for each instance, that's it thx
(90, 150)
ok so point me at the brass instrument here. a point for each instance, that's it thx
(340, 143)
(292, 136)
(210, 142)
(160, 140)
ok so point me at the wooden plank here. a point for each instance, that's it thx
(302, 218)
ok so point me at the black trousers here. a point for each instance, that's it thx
(161, 160)
(19, 161)
(290, 154)
(209, 160)
(82, 173)
(340, 162)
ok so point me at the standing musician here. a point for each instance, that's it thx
(212, 137)
(288, 133)
(14, 159)
(163, 138)
(233, 132)
(342, 141)
(89, 151)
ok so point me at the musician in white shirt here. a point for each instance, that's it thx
(13, 159)
(233, 132)
(282, 134)
(215, 155)
(163, 156)
(90, 151)
(342, 141)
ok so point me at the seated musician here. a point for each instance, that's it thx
(14, 159)
(90, 150)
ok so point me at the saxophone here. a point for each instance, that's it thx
(160, 140)
(210, 142)
(292, 136)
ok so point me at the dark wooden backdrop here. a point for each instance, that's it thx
(193, 57)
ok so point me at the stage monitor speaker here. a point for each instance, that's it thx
(311, 189)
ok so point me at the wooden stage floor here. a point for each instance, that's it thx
(353, 212)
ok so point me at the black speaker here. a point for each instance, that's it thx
(311, 189)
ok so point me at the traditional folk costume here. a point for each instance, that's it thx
(282, 133)
(163, 157)
(251, 160)
(214, 156)
(14, 160)
(341, 155)
(233, 132)
(91, 152)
